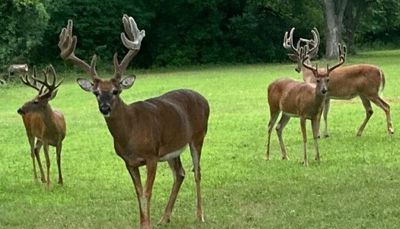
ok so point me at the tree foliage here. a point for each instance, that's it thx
(183, 32)
(22, 24)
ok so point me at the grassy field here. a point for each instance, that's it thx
(356, 185)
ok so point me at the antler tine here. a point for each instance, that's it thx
(67, 44)
(53, 72)
(306, 57)
(288, 42)
(132, 40)
(49, 88)
(25, 80)
(315, 41)
(341, 56)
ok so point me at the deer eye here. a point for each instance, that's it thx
(115, 92)
(318, 81)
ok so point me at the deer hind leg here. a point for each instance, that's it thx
(58, 155)
(179, 174)
(386, 108)
(368, 113)
(271, 124)
(46, 154)
(326, 111)
(37, 151)
(304, 132)
(195, 149)
(279, 128)
(315, 127)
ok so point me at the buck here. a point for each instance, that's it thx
(347, 82)
(44, 126)
(299, 99)
(145, 132)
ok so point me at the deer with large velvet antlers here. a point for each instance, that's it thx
(299, 99)
(145, 132)
(347, 82)
(44, 126)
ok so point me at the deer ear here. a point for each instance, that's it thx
(293, 57)
(85, 84)
(127, 82)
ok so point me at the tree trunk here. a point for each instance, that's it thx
(334, 11)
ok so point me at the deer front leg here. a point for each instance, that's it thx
(315, 127)
(179, 175)
(303, 131)
(151, 166)
(31, 140)
(37, 150)
(326, 111)
(58, 154)
(135, 175)
(143, 195)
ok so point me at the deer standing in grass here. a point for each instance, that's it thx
(42, 123)
(347, 82)
(299, 99)
(145, 132)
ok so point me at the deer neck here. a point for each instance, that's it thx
(319, 98)
(48, 118)
(116, 123)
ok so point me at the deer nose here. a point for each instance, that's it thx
(105, 110)
(324, 91)
(20, 111)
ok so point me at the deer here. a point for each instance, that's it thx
(145, 132)
(300, 99)
(347, 82)
(44, 126)
(17, 68)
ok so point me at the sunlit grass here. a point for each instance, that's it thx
(355, 186)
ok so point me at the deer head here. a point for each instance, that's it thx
(310, 44)
(106, 91)
(46, 91)
(321, 75)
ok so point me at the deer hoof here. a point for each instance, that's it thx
(164, 220)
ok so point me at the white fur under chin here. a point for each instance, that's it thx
(106, 115)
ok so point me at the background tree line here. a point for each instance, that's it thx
(187, 32)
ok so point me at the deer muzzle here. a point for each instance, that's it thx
(20, 111)
(105, 109)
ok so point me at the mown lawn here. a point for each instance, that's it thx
(356, 185)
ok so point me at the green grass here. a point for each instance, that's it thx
(356, 185)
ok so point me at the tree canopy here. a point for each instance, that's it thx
(187, 32)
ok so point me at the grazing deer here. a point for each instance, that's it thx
(347, 82)
(17, 68)
(299, 99)
(145, 132)
(42, 123)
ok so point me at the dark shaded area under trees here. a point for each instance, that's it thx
(187, 32)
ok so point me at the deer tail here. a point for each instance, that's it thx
(383, 81)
